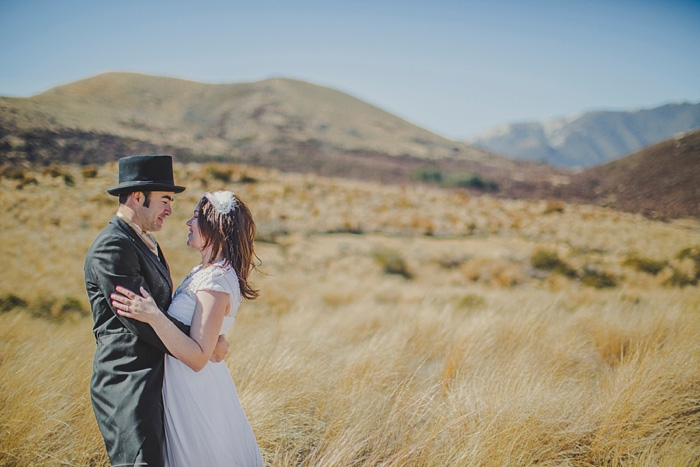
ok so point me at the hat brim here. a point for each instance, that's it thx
(130, 187)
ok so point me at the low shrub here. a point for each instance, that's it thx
(452, 262)
(593, 277)
(347, 228)
(554, 205)
(57, 308)
(471, 301)
(393, 263)
(54, 171)
(44, 307)
(245, 178)
(692, 253)
(548, 260)
(427, 175)
(220, 172)
(467, 180)
(648, 265)
(89, 171)
(14, 173)
(10, 301)
(457, 179)
(680, 279)
(28, 180)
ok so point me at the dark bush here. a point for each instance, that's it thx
(27, 180)
(679, 279)
(692, 253)
(554, 206)
(245, 178)
(427, 175)
(89, 171)
(54, 170)
(548, 260)
(650, 266)
(452, 262)
(593, 277)
(466, 180)
(220, 172)
(392, 263)
(14, 173)
(57, 308)
(10, 301)
(457, 179)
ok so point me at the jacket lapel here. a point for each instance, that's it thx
(158, 262)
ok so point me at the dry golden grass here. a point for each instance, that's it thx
(476, 359)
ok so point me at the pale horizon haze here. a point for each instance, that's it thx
(457, 68)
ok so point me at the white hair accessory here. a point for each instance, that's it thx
(223, 201)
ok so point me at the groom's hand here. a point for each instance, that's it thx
(220, 350)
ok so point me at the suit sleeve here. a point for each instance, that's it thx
(116, 262)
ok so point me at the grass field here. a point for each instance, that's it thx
(397, 325)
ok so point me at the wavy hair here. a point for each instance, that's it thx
(233, 234)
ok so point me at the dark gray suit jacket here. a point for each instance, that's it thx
(127, 375)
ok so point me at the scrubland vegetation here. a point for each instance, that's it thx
(397, 325)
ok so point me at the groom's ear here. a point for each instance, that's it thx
(138, 197)
(134, 198)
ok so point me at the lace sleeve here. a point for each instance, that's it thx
(219, 279)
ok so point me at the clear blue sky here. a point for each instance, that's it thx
(454, 67)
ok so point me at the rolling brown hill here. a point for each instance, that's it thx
(661, 181)
(281, 123)
(301, 127)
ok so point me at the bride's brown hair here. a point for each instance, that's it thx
(232, 233)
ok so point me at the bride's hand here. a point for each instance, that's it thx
(130, 305)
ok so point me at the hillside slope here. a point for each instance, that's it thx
(659, 181)
(225, 118)
(279, 123)
(591, 139)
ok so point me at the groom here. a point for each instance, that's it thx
(128, 366)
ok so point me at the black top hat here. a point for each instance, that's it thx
(145, 173)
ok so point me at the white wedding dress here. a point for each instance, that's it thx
(204, 421)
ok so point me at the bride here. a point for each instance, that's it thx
(204, 421)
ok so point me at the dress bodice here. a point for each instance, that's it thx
(217, 277)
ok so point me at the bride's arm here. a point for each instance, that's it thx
(194, 350)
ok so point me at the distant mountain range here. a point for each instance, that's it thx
(297, 126)
(592, 138)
